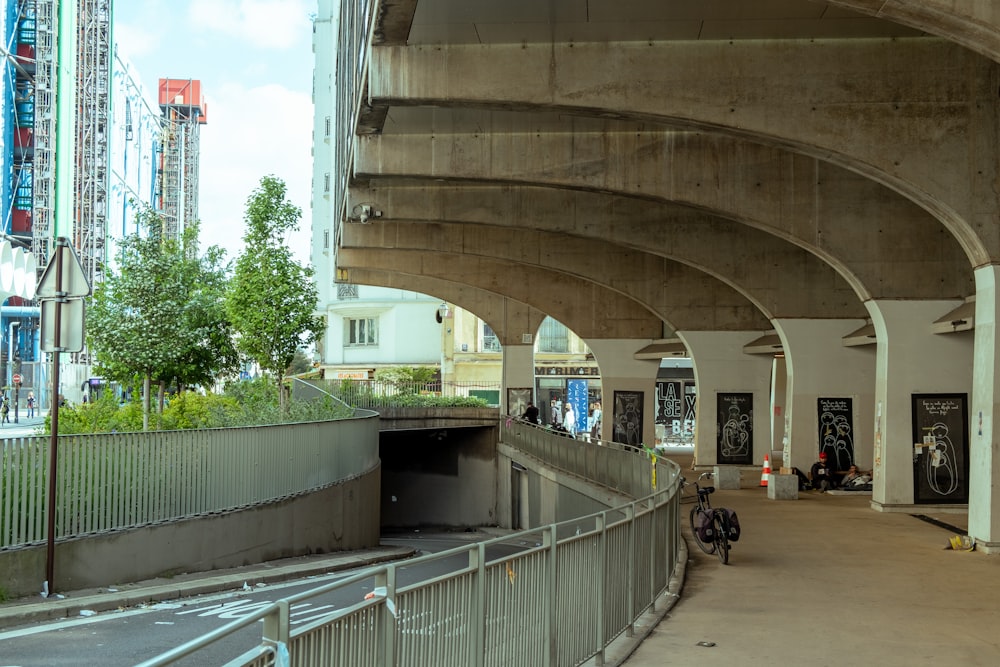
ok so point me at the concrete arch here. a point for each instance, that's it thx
(805, 287)
(858, 227)
(591, 310)
(508, 318)
(867, 105)
(967, 22)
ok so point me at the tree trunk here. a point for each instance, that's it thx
(145, 401)
(281, 396)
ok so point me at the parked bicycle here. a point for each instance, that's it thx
(713, 527)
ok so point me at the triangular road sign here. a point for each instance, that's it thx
(73, 279)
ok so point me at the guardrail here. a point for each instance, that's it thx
(372, 394)
(559, 602)
(115, 481)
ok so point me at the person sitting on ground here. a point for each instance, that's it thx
(531, 414)
(821, 475)
(855, 480)
(852, 474)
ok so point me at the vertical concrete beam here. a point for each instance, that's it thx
(819, 366)
(518, 370)
(779, 399)
(984, 461)
(621, 371)
(721, 365)
(909, 360)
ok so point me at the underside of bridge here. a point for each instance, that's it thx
(821, 177)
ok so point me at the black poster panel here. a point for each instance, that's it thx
(941, 448)
(735, 428)
(628, 417)
(836, 431)
(669, 402)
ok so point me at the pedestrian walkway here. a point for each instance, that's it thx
(24, 425)
(825, 580)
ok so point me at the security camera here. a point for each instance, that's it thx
(363, 217)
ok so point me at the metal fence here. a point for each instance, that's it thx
(560, 602)
(123, 480)
(379, 393)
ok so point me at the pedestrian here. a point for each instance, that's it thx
(531, 414)
(31, 404)
(569, 419)
(5, 411)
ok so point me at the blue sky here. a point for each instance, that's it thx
(254, 59)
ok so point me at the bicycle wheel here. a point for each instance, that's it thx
(707, 547)
(721, 537)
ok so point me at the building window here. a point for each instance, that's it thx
(326, 182)
(326, 239)
(362, 331)
(491, 343)
(553, 336)
(326, 127)
(347, 291)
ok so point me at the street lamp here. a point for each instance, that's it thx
(442, 312)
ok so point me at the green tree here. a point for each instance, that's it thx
(161, 316)
(271, 299)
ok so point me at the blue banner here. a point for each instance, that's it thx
(576, 396)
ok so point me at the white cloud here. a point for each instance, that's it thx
(273, 24)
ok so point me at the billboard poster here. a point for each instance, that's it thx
(735, 428)
(941, 448)
(628, 417)
(836, 431)
(576, 397)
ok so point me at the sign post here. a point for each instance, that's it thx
(61, 290)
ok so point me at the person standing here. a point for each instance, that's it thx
(569, 419)
(31, 404)
(555, 407)
(5, 411)
(531, 414)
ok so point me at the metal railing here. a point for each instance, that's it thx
(116, 481)
(560, 602)
(372, 394)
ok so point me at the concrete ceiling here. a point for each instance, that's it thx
(513, 21)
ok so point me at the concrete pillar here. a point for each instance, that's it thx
(720, 365)
(819, 366)
(779, 432)
(984, 463)
(518, 371)
(622, 372)
(910, 360)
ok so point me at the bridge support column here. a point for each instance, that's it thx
(518, 372)
(627, 376)
(719, 361)
(984, 462)
(819, 368)
(911, 360)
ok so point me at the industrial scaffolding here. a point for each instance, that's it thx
(184, 111)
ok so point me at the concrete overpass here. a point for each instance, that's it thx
(733, 179)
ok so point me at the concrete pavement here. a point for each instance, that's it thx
(825, 580)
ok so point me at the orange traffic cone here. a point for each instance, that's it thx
(765, 475)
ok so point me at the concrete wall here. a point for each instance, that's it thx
(339, 517)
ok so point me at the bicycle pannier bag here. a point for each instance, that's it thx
(734, 525)
(703, 525)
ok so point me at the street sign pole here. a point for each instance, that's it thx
(62, 286)
(50, 548)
